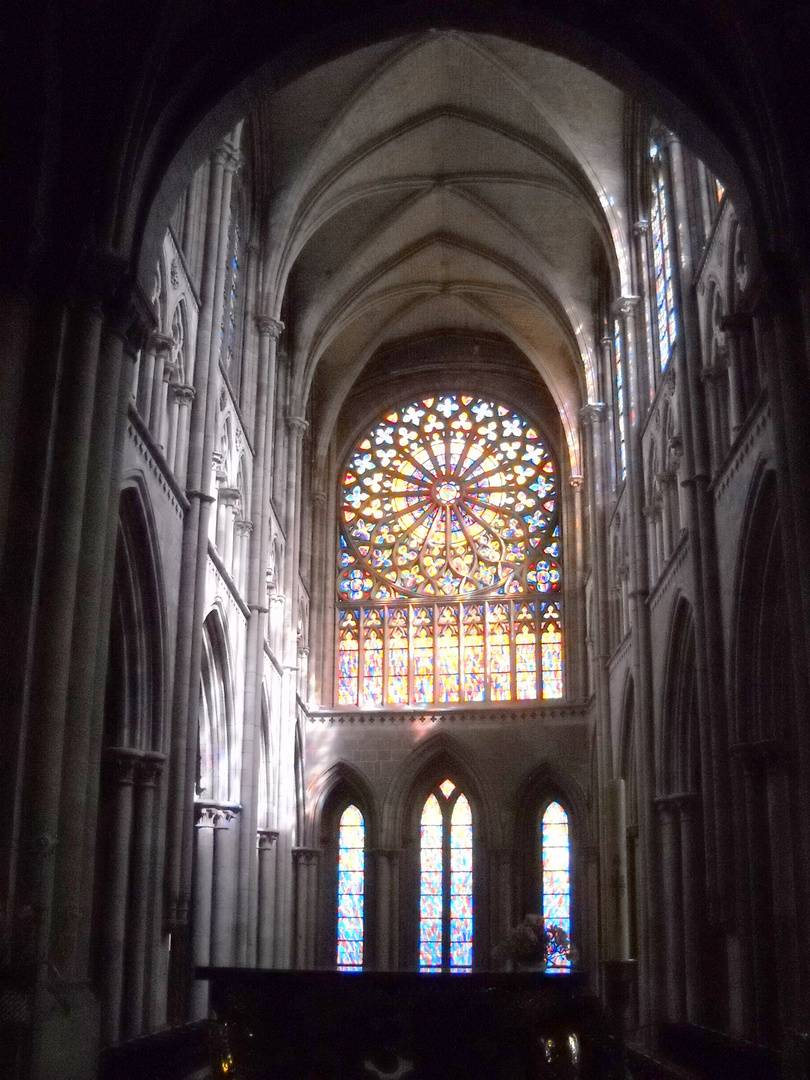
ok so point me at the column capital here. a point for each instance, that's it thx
(623, 305)
(210, 813)
(149, 768)
(593, 412)
(389, 854)
(576, 481)
(229, 495)
(265, 838)
(233, 159)
(640, 227)
(182, 394)
(770, 753)
(305, 855)
(243, 527)
(266, 324)
(121, 763)
(160, 344)
(318, 499)
(296, 425)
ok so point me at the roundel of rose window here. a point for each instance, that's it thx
(449, 496)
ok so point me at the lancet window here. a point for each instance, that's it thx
(556, 874)
(663, 257)
(449, 575)
(446, 881)
(351, 890)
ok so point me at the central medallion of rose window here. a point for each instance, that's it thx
(448, 493)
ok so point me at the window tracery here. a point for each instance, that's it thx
(449, 565)
(446, 881)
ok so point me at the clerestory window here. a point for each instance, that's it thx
(449, 573)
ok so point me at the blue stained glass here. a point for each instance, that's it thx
(350, 905)
(350, 891)
(461, 859)
(555, 906)
(461, 836)
(555, 858)
(430, 906)
(430, 954)
(350, 929)
(556, 881)
(431, 930)
(431, 883)
(431, 836)
(350, 953)
(461, 955)
(460, 906)
(461, 929)
(461, 881)
(432, 859)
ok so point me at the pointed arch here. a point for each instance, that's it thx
(218, 769)
(135, 711)
(679, 769)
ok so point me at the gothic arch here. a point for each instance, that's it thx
(679, 745)
(440, 753)
(341, 783)
(136, 691)
(218, 774)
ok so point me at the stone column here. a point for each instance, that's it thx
(121, 765)
(734, 326)
(146, 373)
(256, 594)
(576, 687)
(172, 419)
(242, 531)
(692, 872)
(201, 905)
(305, 872)
(267, 895)
(157, 408)
(617, 917)
(226, 876)
(228, 497)
(146, 778)
(184, 396)
(670, 868)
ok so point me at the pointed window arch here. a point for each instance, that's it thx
(351, 889)
(555, 855)
(446, 881)
(663, 257)
(449, 577)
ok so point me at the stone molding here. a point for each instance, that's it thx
(212, 814)
(266, 324)
(593, 413)
(305, 855)
(266, 838)
(539, 712)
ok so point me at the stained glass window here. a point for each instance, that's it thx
(621, 418)
(445, 882)
(350, 890)
(556, 884)
(450, 541)
(663, 260)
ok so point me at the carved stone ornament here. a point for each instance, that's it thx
(266, 324)
(265, 838)
(174, 274)
(576, 481)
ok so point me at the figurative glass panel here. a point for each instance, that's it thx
(663, 259)
(551, 648)
(446, 882)
(348, 653)
(351, 890)
(556, 882)
(447, 503)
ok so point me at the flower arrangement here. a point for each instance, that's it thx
(533, 941)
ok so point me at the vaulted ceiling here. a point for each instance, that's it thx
(445, 182)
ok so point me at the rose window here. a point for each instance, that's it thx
(449, 558)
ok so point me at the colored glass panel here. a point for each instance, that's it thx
(449, 667)
(474, 669)
(461, 900)
(398, 656)
(447, 787)
(621, 420)
(422, 653)
(663, 263)
(351, 890)
(431, 900)
(556, 882)
(526, 654)
(500, 653)
(551, 650)
(348, 652)
(372, 657)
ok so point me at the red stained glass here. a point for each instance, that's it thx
(351, 890)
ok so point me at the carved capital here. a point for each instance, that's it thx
(161, 344)
(230, 496)
(387, 854)
(640, 227)
(121, 762)
(592, 413)
(149, 769)
(296, 425)
(305, 856)
(232, 159)
(266, 324)
(669, 381)
(210, 814)
(624, 305)
(265, 838)
(182, 394)
(243, 527)
(318, 500)
(576, 481)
